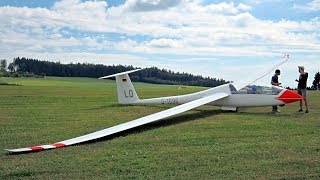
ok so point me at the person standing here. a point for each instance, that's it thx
(275, 82)
(302, 87)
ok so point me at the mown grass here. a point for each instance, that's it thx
(204, 143)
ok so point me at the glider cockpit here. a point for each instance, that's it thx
(255, 89)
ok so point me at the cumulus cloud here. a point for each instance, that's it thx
(244, 7)
(310, 6)
(179, 27)
(262, 1)
(150, 5)
(163, 43)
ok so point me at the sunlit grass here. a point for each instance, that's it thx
(203, 143)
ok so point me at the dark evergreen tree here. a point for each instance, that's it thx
(316, 81)
(148, 75)
(12, 68)
(3, 65)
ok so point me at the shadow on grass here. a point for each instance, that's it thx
(270, 113)
(110, 106)
(17, 175)
(9, 84)
(162, 106)
(178, 119)
(128, 105)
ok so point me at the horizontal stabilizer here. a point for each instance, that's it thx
(119, 74)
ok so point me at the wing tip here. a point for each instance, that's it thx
(286, 56)
(22, 150)
(36, 148)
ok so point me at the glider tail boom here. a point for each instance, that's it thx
(126, 92)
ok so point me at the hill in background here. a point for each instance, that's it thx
(148, 75)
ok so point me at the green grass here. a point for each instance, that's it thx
(203, 143)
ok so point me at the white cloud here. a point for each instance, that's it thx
(244, 7)
(221, 8)
(149, 5)
(164, 43)
(151, 27)
(310, 6)
(188, 26)
(262, 1)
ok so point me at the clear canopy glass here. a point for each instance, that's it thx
(254, 89)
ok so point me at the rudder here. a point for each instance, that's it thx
(126, 92)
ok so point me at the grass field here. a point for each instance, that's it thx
(204, 143)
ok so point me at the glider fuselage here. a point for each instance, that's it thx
(242, 98)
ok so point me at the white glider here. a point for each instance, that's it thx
(228, 96)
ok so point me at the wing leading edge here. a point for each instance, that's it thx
(258, 76)
(128, 125)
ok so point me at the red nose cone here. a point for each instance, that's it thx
(289, 96)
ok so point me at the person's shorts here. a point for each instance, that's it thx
(302, 92)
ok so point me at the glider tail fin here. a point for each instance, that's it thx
(126, 92)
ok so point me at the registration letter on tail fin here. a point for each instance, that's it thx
(126, 92)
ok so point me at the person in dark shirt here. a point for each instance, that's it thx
(275, 82)
(302, 87)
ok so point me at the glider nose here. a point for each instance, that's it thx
(289, 96)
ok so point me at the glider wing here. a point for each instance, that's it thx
(128, 125)
(258, 76)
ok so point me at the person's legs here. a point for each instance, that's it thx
(300, 101)
(300, 104)
(274, 108)
(304, 94)
(306, 103)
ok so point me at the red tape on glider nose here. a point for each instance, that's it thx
(289, 96)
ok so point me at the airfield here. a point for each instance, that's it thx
(203, 143)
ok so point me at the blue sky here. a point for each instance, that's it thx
(223, 39)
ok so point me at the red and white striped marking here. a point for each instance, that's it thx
(38, 148)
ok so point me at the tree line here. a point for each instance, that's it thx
(36, 68)
(153, 75)
(316, 81)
